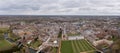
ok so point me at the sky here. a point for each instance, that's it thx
(59, 7)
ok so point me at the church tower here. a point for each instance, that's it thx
(64, 35)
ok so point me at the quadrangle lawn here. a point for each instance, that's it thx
(66, 47)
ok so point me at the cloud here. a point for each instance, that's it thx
(59, 7)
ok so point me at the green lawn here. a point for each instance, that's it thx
(5, 45)
(36, 44)
(54, 50)
(76, 46)
(66, 47)
(10, 35)
(13, 37)
(3, 30)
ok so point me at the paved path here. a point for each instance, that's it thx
(43, 46)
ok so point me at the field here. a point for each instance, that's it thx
(36, 44)
(2, 30)
(5, 45)
(54, 50)
(76, 46)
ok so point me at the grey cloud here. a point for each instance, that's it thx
(73, 4)
(20, 5)
(59, 7)
(53, 6)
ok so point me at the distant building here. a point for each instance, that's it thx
(2, 25)
(75, 37)
(22, 23)
(95, 43)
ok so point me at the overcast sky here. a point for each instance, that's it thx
(59, 7)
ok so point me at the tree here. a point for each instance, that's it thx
(60, 33)
(116, 46)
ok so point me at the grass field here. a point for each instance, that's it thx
(13, 37)
(2, 30)
(5, 45)
(54, 50)
(36, 44)
(76, 46)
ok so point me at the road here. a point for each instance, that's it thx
(43, 46)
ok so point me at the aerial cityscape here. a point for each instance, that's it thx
(59, 26)
(59, 34)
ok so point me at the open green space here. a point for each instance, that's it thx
(13, 37)
(54, 50)
(10, 34)
(76, 46)
(5, 45)
(66, 47)
(3, 30)
(36, 44)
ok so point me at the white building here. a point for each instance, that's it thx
(4, 26)
(75, 37)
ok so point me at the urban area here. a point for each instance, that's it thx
(59, 34)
